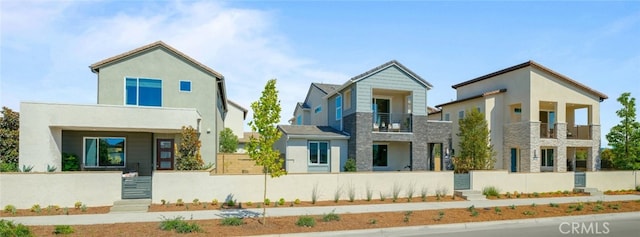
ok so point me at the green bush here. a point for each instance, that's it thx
(8, 228)
(331, 217)
(638, 188)
(8, 167)
(306, 221)
(350, 165)
(179, 225)
(281, 202)
(70, 162)
(63, 229)
(10, 209)
(490, 191)
(231, 221)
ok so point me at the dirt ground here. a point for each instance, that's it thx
(278, 225)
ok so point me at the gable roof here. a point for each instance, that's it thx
(378, 69)
(312, 131)
(158, 44)
(325, 88)
(488, 93)
(244, 110)
(538, 66)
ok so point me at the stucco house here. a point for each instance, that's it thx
(144, 98)
(383, 113)
(539, 119)
(236, 115)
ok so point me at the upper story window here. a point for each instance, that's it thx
(318, 109)
(185, 86)
(447, 117)
(299, 120)
(338, 107)
(461, 115)
(347, 99)
(143, 91)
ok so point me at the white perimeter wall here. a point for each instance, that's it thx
(613, 180)
(190, 185)
(522, 182)
(23, 190)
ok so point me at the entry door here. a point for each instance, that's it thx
(165, 156)
(514, 160)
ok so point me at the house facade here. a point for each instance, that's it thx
(539, 119)
(145, 96)
(384, 113)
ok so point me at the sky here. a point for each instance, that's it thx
(47, 46)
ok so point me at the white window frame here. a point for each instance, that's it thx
(318, 158)
(180, 85)
(84, 152)
(338, 108)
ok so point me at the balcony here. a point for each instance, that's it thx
(547, 131)
(392, 122)
(582, 132)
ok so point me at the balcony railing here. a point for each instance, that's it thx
(547, 131)
(579, 132)
(392, 122)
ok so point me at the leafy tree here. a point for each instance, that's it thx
(228, 141)
(188, 155)
(624, 138)
(266, 113)
(475, 151)
(9, 137)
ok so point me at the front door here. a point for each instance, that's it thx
(164, 154)
(514, 160)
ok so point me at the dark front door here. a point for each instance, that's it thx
(164, 154)
(514, 160)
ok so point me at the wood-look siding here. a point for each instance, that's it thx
(392, 79)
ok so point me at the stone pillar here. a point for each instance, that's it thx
(560, 164)
(420, 144)
(363, 142)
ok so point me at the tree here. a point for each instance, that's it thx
(266, 113)
(9, 139)
(624, 138)
(188, 155)
(228, 141)
(475, 151)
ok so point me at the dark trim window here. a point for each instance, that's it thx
(185, 86)
(104, 152)
(143, 91)
(547, 157)
(380, 155)
(318, 153)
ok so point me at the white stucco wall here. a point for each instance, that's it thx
(41, 126)
(297, 154)
(613, 180)
(170, 185)
(63, 189)
(522, 182)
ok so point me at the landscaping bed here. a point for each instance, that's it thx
(36, 210)
(277, 225)
(517, 195)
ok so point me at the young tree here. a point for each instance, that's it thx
(475, 151)
(9, 136)
(188, 155)
(266, 113)
(228, 141)
(624, 138)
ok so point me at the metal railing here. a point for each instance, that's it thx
(392, 122)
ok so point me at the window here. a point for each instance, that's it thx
(347, 99)
(461, 115)
(338, 107)
(185, 86)
(318, 153)
(299, 120)
(104, 152)
(143, 92)
(447, 117)
(318, 109)
(547, 157)
(517, 110)
(379, 155)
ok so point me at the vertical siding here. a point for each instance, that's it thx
(392, 79)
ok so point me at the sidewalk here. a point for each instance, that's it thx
(111, 218)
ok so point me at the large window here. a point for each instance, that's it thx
(380, 155)
(547, 157)
(104, 152)
(318, 153)
(338, 107)
(143, 92)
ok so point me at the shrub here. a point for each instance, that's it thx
(441, 192)
(10, 209)
(179, 225)
(332, 216)
(497, 210)
(529, 213)
(179, 202)
(267, 201)
(163, 202)
(407, 216)
(369, 192)
(490, 191)
(614, 206)
(440, 216)
(395, 192)
(373, 221)
(350, 165)
(214, 202)
(536, 194)
(63, 229)
(351, 192)
(36, 208)
(249, 203)
(83, 208)
(638, 188)
(231, 221)
(78, 204)
(533, 204)
(382, 196)
(410, 191)
(306, 221)
(337, 194)
(598, 207)
(297, 201)
(26, 168)
(474, 213)
(196, 202)
(70, 162)
(281, 202)
(423, 194)
(554, 205)
(565, 192)
(508, 195)
(512, 207)
(51, 168)
(314, 194)
(8, 228)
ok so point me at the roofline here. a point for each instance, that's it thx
(488, 93)
(341, 137)
(376, 70)
(534, 64)
(96, 66)
(244, 110)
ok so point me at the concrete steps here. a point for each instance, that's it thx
(131, 205)
(590, 191)
(470, 195)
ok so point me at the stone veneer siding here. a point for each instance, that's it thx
(438, 132)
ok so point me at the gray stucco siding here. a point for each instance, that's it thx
(392, 79)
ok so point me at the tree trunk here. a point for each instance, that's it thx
(264, 197)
